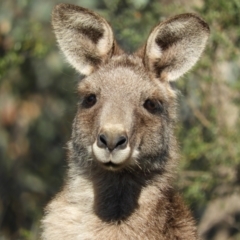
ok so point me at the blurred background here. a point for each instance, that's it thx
(38, 102)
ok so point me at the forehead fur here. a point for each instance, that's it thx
(125, 77)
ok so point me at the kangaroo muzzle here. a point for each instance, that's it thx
(111, 147)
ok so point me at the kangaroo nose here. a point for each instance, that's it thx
(112, 140)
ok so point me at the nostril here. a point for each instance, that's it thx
(103, 139)
(122, 142)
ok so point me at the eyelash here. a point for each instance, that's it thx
(153, 106)
(89, 101)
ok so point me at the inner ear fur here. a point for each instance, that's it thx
(85, 38)
(175, 45)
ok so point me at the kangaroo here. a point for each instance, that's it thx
(123, 153)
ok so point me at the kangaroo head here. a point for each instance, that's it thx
(126, 109)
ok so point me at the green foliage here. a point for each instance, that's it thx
(37, 104)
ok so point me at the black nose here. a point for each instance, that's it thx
(112, 141)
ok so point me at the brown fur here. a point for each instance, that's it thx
(123, 152)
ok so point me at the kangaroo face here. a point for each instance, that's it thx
(126, 107)
(124, 114)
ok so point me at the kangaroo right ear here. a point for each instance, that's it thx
(85, 38)
(174, 46)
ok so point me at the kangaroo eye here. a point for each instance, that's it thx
(89, 101)
(153, 106)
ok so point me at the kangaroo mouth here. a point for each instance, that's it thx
(111, 165)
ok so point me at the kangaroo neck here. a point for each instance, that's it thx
(116, 195)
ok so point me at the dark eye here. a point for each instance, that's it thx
(89, 101)
(153, 106)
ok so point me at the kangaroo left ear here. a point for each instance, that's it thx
(85, 38)
(175, 45)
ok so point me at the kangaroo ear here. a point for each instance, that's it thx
(175, 45)
(85, 38)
